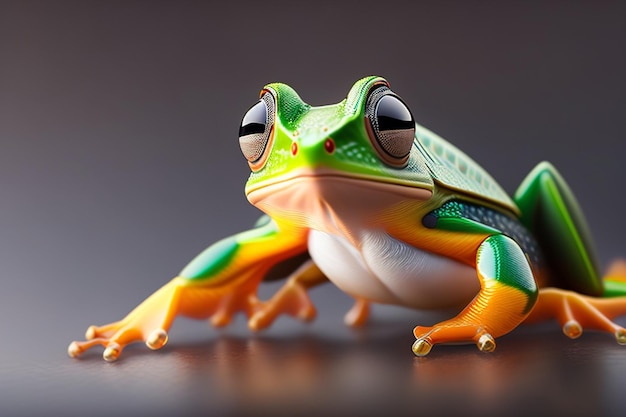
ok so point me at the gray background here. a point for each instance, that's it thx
(119, 162)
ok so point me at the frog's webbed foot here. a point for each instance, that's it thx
(118, 339)
(229, 302)
(292, 298)
(575, 312)
(148, 322)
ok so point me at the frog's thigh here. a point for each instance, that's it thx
(550, 211)
(508, 292)
(508, 287)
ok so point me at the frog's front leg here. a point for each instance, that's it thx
(219, 282)
(507, 295)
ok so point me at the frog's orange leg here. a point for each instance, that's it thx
(508, 292)
(293, 299)
(220, 282)
(150, 321)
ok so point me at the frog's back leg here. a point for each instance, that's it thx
(550, 211)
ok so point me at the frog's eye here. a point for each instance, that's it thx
(392, 126)
(256, 129)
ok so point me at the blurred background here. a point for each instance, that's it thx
(119, 162)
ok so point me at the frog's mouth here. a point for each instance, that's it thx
(311, 194)
(314, 178)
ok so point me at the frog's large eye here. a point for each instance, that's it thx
(391, 126)
(256, 129)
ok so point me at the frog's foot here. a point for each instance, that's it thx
(451, 331)
(359, 313)
(230, 302)
(574, 312)
(292, 299)
(148, 322)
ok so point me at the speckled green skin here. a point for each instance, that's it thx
(344, 123)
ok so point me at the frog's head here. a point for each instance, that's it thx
(365, 142)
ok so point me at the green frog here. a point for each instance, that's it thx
(359, 194)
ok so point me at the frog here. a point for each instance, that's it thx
(361, 195)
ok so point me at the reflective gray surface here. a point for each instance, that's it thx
(324, 369)
(119, 162)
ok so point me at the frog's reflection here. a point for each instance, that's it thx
(374, 375)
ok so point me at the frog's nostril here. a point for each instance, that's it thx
(329, 145)
(294, 148)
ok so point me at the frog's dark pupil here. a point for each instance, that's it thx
(389, 123)
(392, 114)
(251, 128)
(255, 119)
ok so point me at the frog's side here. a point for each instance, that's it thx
(390, 213)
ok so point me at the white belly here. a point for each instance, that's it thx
(386, 270)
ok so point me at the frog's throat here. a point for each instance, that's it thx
(329, 200)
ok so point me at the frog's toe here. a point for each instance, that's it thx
(422, 347)
(269, 312)
(221, 319)
(486, 343)
(77, 348)
(112, 352)
(291, 299)
(124, 335)
(106, 331)
(359, 313)
(157, 339)
(572, 329)
(74, 349)
(91, 332)
(449, 332)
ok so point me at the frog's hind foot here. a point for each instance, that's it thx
(575, 312)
